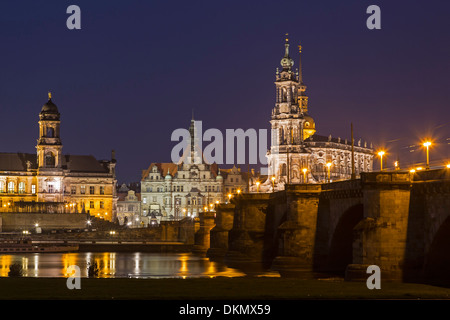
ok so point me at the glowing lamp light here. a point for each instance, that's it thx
(381, 154)
(448, 166)
(238, 191)
(412, 170)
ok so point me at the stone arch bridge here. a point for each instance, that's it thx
(397, 220)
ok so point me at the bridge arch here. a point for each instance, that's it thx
(437, 262)
(341, 244)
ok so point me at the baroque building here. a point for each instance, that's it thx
(129, 211)
(297, 153)
(172, 191)
(50, 181)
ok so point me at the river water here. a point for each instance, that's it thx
(121, 265)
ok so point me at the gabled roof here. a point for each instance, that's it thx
(163, 168)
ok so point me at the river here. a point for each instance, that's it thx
(121, 265)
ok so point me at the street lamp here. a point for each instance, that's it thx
(381, 154)
(329, 171)
(427, 144)
(257, 186)
(238, 191)
(229, 197)
(304, 174)
(273, 183)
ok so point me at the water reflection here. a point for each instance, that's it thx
(119, 265)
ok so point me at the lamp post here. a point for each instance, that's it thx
(273, 184)
(257, 186)
(381, 154)
(427, 144)
(329, 171)
(304, 174)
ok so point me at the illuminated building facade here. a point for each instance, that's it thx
(50, 181)
(297, 154)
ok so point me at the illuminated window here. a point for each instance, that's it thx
(21, 187)
(83, 189)
(102, 205)
(10, 187)
(2, 186)
(144, 200)
(33, 189)
(73, 189)
(102, 190)
(91, 204)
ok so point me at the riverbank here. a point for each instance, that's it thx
(220, 288)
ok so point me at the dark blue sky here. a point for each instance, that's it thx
(137, 69)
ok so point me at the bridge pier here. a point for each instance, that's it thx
(219, 234)
(202, 236)
(246, 239)
(381, 237)
(297, 235)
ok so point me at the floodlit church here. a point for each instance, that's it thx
(297, 153)
(50, 181)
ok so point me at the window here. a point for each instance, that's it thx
(102, 190)
(144, 200)
(91, 204)
(91, 190)
(21, 187)
(73, 189)
(50, 188)
(33, 189)
(102, 205)
(130, 208)
(83, 189)
(231, 179)
(2, 186)
(10, 187)
(181, 188)
(154, 199)
(50, 160)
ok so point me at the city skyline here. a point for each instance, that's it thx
(134, 74)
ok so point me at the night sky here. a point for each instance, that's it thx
(137, 69)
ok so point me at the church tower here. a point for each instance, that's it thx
(290, 123)
(49, 146)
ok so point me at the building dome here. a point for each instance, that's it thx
(219, 176)
(309, 127)
(309, 122)
(168, 176)
(50, 107)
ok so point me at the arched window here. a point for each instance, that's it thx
(11, 187)
(50, 160)
(50, 132)
(21, 187)
(2, 187)
(283, 169)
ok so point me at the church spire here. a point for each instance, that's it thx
(300, 72)
(287, 62)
